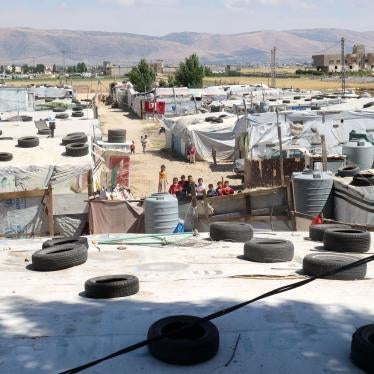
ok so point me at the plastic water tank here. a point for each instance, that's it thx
(161, 213)
(360, 152)
(313, 192)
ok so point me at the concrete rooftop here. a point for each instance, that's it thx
(46, 325)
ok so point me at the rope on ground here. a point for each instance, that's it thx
(218, 314)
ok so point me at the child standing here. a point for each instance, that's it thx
(132, 148)
(162, 180)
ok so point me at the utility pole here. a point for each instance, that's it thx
(273, 73)
(63, 63)
(343, 66)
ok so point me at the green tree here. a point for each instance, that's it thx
(25, 69)
(162, 83)
(171, 81)
(142, 76)
(208, 71)
(81, 67)
(190, 72)
(40, 68)
(54, 68)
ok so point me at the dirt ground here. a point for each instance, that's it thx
(144, 168)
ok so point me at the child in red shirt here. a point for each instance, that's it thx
(226, 189)
(174, 188)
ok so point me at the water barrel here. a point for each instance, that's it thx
(360, 153)
(161, 213)
(313, 192)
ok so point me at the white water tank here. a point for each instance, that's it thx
(161, 213)
(360, 153)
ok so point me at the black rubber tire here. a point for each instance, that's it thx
(116, 139)
(316, 264)
(77, 149)
(1, 132)
(347, 240)
(109, 287)
(235, 231)
(117, 132)
(59, 257)
(189, 347)
(268, 250)
(5, 156)
(44, 132)
(77, 108)
(348, 171)
(362, 348)
(74, 138)
(210, 119)
(28, 142)
(6, 138)
(217, 120)
(360, 180)
(286, 101)
(59, 110)
(26, 118)
(62, 116)
(58, 241)
(317, 232)
(77, 114)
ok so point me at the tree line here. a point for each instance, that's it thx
(190, 73)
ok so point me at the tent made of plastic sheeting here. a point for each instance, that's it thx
(182, 131)
(46, 91)
(300, 128)
(15, 100)
(34, 169)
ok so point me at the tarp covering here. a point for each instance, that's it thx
(195, 129)
(14, 100)
(262, 129)
(115, 217)
(353, 204)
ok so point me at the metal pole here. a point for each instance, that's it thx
(280, 148)
(324, 153)
(343, 66)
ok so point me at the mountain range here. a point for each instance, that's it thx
(32, 46)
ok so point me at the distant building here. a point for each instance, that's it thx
(355, 61)
(157, 66)
(116, 71)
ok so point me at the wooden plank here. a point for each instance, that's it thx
(324, 153)
(51, 224)
(22, 194)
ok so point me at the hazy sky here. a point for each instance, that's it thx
(159, 17)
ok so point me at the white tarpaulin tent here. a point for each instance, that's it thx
(303, 128)
(181, 131)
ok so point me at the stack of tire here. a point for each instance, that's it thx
(61, 253)
(117, 136)
(342, 244)
(77, 111)
(76, 144)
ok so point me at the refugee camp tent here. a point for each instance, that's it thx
(182, 131)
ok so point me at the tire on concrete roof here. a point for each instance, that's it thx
(347, 240)
(77, 108)
(59, 241)
(117, 132)
(112, 286)
(77, 149)
(349, 171)
(362, 180)
(28, 142)
(59, 257)
(71, 138)
(77, 114)
(5, 156)
(316, 264)
(116, 139)
(62, 116)
(317, 232)
(26, 118)
(59, 110)
(268, 250)
(233, 231)
(362, 348)
(191, 346)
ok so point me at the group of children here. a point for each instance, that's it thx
(183, 188)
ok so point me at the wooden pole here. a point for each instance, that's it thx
(280, 149)
(51, 225)
(324, 153)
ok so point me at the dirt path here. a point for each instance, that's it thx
(145, 167)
